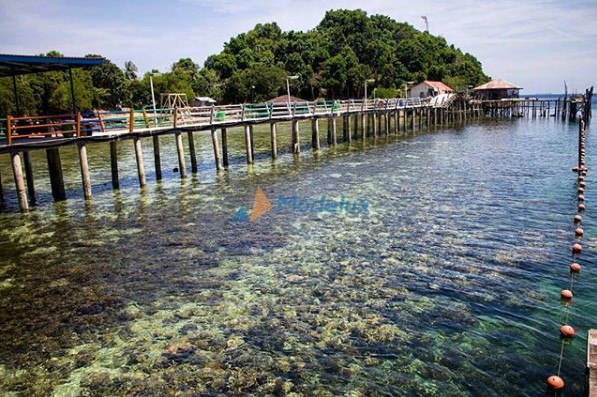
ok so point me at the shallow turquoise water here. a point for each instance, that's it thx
(447, 286)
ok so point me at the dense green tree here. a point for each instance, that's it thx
(334, 59)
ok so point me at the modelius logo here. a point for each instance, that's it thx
(300, 205)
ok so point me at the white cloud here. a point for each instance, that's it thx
(535, 43)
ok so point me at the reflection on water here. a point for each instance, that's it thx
(447, 286)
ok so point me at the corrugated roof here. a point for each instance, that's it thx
(15, 65)
(438, 85)
(497, 84)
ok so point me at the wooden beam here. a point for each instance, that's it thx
(224, 134)
(156, 157)
(182, 168)
(140, 164)
(194, 167)
(29, 176)
(114, 164)
(592, 363)
(17, 172)
(56, 177)
(86, 179)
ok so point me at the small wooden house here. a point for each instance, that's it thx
(429, 89)
(496, 90)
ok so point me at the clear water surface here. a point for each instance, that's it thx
(447, 286)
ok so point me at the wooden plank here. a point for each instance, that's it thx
(592, 363)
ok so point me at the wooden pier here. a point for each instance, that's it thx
(357, 118)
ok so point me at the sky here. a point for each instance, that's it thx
(536, 44)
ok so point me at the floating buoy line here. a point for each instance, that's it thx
(567, 332)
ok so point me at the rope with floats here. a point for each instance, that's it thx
(567, 332)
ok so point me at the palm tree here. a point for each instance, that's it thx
(130, 70)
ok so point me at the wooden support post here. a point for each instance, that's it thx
(140, 165)
(192, 152)
(348, 133)
(182, 167)
(374, 124)
(364, 125)
(86, 179)
(333, 132)
(17, 172)
(29, 176)
(55, 170)
(114, 164)
(386, 123)
(414, 118)
(1, 189)
(274, 140)
(252, 131)
(315, 134)
(224, 147)
(296, 137)
(248, 145)
(216, 147)
(356, 125)
(156, 157)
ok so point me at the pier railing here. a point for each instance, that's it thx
(116, 122)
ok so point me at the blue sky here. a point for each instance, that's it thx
(536, 44)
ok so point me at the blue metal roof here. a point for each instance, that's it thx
(14, 65)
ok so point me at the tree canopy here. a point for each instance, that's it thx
(333, 60)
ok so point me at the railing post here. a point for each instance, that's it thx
(131, 119)
(145, 118)
(78, 124)
(8, 129)
(175, 121)
(101, 122)
(211, 115)
(242, 112)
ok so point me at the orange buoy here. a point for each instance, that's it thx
(577, 218)
(566, 294)
(555, 382)
(579, 231)
(581, 189)
(574, 169)
(583, 172)
(581, 207)
(581, 197)
(576, 248)
(567, 331)
(574, 267)
(581, 184)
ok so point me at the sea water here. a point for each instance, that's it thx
(446, 285)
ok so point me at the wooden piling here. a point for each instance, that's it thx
(86, 179)
(29, 176)
(333, 134)
(248, 145)
(56, 177)
(114, 164)
(296, 137)
(224, 147)
(315, 134)
(364, 125)
(192, 152)
(180, 152)
(252, 132)
(216, 147)
(17, 172)
(140, 164)
(156, 157)
(348, 133)
(273, 139)
(374, 124)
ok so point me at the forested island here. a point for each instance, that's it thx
(333, 60)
